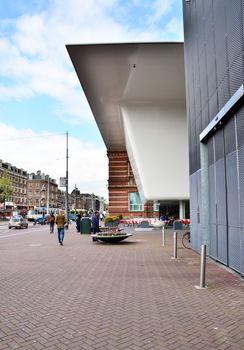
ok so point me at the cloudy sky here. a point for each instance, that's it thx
(40, 96)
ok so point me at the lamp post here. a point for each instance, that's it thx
(67, 184)
(75, 200)
(48, 194)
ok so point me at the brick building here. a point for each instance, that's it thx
(77, 200)
(41, 191)
(18, 176)
(123, 193)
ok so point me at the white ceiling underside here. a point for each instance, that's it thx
(137, 95)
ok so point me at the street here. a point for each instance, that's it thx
(6, 232)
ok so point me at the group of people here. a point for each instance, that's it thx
(61, 221)
(94, 222)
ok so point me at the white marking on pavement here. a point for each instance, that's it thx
(18, 233)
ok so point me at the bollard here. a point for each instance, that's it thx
(163, 235)
(175, 245)
(203, 266)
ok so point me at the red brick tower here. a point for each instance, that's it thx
(120, 183)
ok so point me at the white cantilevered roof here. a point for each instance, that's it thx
(113, 75)
(137, 95)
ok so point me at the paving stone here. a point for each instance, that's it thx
(133, 296)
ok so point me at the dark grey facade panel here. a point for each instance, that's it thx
(213, 105)
(211, 80)
(236, 74)
(212, 196)
(240, 127)
(220, 192)
(234, 250)
(199, 196)
(195, 237)
(203, 82)
(234, 29)
(205, 116)
(199, 8)
(213, 242)
(223, 92)
(195, 207)
(219, 24)
(232, 190)
(241, 184)
(197, 96)
(214, 60)
(242, 250)
(230, 136)
(222, 71)
(194, 201)
(222, 253)
(219, 145)
(210, 145)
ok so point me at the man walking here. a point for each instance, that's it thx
(95, 222)
(60, 221)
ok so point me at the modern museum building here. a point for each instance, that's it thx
(176, 111)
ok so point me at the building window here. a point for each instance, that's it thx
(136, 202)
(156, 206)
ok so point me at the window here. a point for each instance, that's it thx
(156, 206)
(136, 202)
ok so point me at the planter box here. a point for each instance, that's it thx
(109, 237)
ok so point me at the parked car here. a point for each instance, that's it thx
(17, 222)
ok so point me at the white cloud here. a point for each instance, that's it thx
(160, 8)
(175, 28)
(35, 59)
(88, 165)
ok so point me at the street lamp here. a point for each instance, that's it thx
(75, 200)
(48, 194)
(67, 184)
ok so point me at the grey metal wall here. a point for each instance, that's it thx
(214, 62)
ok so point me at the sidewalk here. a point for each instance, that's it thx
(127, 296)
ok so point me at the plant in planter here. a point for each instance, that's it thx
(111, 221)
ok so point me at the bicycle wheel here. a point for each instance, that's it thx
(186, 240)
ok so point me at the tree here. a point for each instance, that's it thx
(6, 187)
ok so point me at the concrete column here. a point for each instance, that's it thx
(205, 195)
(182, 210)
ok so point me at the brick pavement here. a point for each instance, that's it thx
(129, 296)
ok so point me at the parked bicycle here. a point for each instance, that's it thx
(186, 240)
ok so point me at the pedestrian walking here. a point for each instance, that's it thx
(51, 222)
(60, 221)
(78, 220)
(95, 222)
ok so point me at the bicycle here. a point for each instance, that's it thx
(186, 240)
